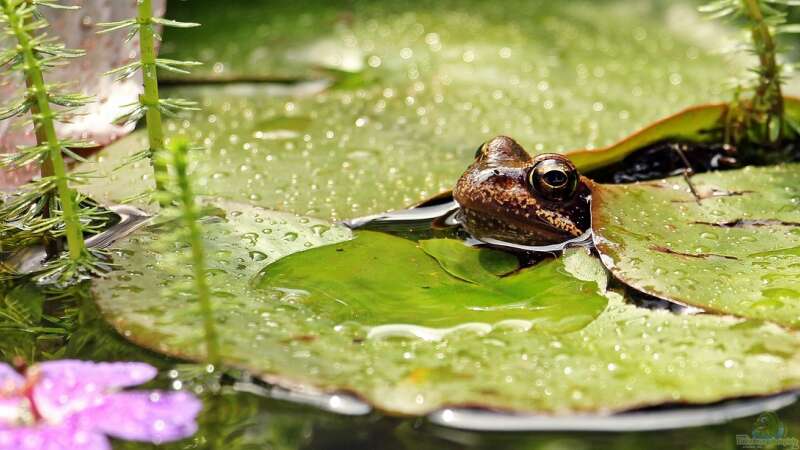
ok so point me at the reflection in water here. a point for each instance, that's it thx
(236, 419)
(420, 222)
(31, 259)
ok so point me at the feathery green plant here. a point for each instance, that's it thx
(756, 114)
(35, 322)
(150, 105)
(184, 215)
(46, 208)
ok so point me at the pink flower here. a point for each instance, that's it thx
(74, 405)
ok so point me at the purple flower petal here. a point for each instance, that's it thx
(80, 402)
(66, 387)
(145, 416)
(103, 375)
(52, 437)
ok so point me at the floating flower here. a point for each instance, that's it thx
(75, 405)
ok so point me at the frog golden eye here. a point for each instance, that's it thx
(554, 178)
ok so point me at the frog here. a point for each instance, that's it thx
(522, 203)
(507, 195)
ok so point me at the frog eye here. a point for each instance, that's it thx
(479, 150)
(554, 178)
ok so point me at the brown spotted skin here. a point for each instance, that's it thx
(497, 201)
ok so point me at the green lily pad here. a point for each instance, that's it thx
(478, 267)
(287, 41)
(446, 77)
(625, 358)
(689, 124)
(381, 280)
(693, 123)
(736, 252)
(116, 178)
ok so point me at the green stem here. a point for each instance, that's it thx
(768, 93)
(46, 169)
(149, 99)
(45, 125)
(190, 217)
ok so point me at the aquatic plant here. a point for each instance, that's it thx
(150, 105)
(27, 331)
(757, 111)
(178, 192)
(47, 208)
(77, 404)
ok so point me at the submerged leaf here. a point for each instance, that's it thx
(735, 252)
(22, 304)
(382, 279)
(467, 264)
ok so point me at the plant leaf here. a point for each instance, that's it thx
(733, 253)
(478, 267)
(107, 27)
(174, 23)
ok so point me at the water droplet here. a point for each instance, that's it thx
(256, 255)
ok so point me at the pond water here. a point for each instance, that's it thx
(332, 111)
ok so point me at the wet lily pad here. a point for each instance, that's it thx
(288, 41)
(116, 178)
(381, 280)
(449, 76)
(626, 357)
(736, 252)
(484, 266)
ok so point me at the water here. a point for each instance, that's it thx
(246, 421)
(435, 79)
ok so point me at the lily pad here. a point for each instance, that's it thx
(449, 75)
(288, 41)
(625, 358)
(695, 123)
(689, 124)
(736, 252)
(382, 279)
(116, 179)
(478, 267)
